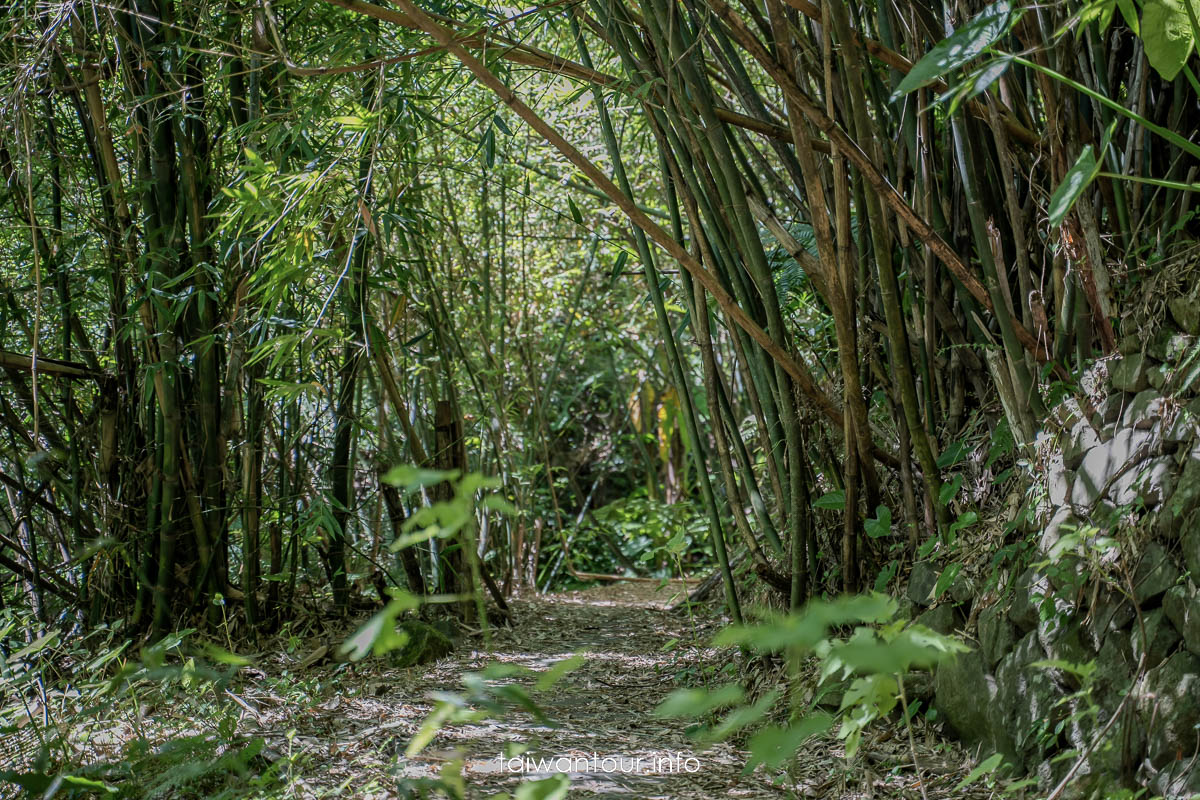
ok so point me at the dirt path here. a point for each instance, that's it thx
(352, 723)
(637, 652)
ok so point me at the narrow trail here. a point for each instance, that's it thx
(637, 652)
(357, 721)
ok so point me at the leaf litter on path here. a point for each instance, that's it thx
(604, 735)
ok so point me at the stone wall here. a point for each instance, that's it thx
(1113, 583)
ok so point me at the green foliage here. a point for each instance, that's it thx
(959, 48)
(1078, 177)
(1169, 32)
(876, 654)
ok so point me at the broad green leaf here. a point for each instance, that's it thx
(953, 454)
(945, 580)
(554, 788)
(691, 703)
(962, 46)
(1082, 671)
(773, 746)
(556, 672)
(881, 525)
(36, 646)
(950, 488)
(409, 477)
(429, 728)
(833, 500)
(378, 635)
(1129, 12)
(808, 627)
(1167, 34)
(879, 690)
(88, 783)
(739, 718)
(222, 656)
(985, 767)
(965, 520)
(1078, 178)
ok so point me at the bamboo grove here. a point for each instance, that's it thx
(256, 254)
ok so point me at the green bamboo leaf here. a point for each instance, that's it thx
(691, 703)
(1077, 179)
(965, 44)
(575, 214)
(985, 767)
(619, 266)
(489, 147)
(977, 83)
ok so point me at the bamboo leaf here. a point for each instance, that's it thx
(1078, 178)
(985, 767)
(965, 44)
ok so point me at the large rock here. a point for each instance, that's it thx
(1061, 638)
(425, 643)
(1122, 747)
(1189, 546)
(1029, 696)
(1058, 481)
(1170, 697)
(965, 695)
(1081, 438)
(1109, 410)
(941, 618)
(1111, 614)
(1063, 522)
(1183, 501)
(1169, 345)
(1179, 779)
(1156, 376)
(1181, 429)
(997, 635)
(1186, 313)
(921, 582)
(1129, 374)
(1151, 481)
(1102, 463)
(1029, 592)
(1144, 410)
(1115, 665)
(1182, 607)
(1154, 638)
(1156, 572)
